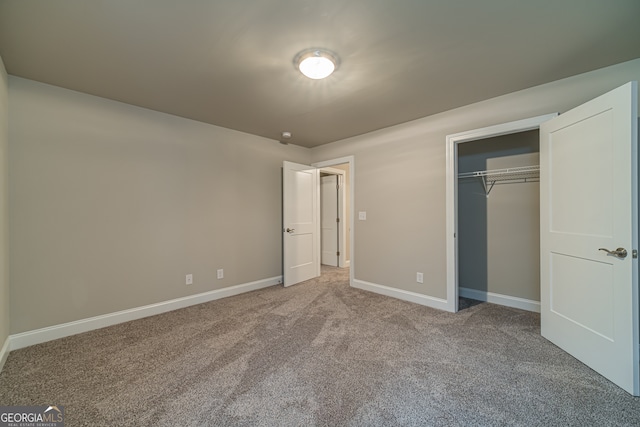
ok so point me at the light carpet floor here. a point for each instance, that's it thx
(318, 353)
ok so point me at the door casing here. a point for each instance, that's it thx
(452, 190)
(352, 170)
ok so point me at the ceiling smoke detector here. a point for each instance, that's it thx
(285, 136)
(316, 63)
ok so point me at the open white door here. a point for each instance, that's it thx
(588, 202)
(300, 223)
(329, 219)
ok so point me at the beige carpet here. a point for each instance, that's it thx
(318, 353)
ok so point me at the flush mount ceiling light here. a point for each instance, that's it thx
(316, 63)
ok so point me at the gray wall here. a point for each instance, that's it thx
(400, 172)
(4, 212)
(112, 205)
(499, 236)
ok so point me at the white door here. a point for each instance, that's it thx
(588, 201)
(329, 219)
(300, 223)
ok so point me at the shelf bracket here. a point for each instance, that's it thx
(488, 186)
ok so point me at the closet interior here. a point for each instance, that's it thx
(499, 218)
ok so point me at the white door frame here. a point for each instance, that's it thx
(352, 167)
(342, 213)
(452, 190)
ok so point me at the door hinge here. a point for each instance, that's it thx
(338, 253)
(634, 253)
(337, 219)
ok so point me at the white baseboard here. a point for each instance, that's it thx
(414, 297)
(4, 353)
(38, 336)
(347, 264)
(509, 301)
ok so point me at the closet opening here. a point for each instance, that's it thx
(493, 215)
(499, 220)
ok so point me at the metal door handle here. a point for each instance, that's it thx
(290, 230)
(618, 253)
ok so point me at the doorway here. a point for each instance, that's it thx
(301, 223)
(499, 220)
(334, 216)
(345, 168)
(329, 219)
(452, 220)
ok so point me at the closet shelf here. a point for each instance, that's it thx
(504, 176)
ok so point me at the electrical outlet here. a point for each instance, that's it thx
(419, 278)
(362, 216)
(189, 279)
(220, 273)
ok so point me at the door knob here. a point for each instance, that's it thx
(618, 253)
(290, 230)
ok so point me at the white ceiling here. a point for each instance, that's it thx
(230, 62)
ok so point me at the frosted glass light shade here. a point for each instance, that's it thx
(316, 64)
